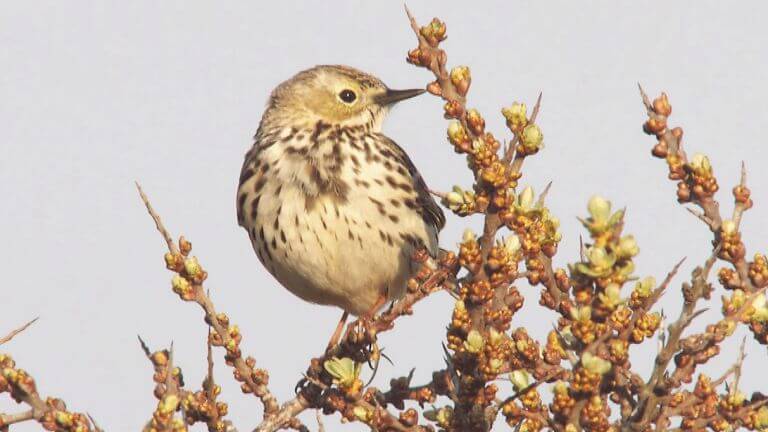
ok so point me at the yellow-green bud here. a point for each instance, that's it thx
(532, 138)
(474, 342)
(520, 379)
(627, 247)
(344, 370)
(595, 364)
(700, 164)
(516, 116)
(599, 209)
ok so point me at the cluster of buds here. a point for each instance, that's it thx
(562, 402)
(530, 407)
(461, 79)
(202, 407)
(493, 358)
(163, 418)
(536, 227)
(589, 374)
(606, 266)
(433, 33)
(443, 417)
(189, 273)
(758, 271)
(595, 414)
(462, 202)
(22, 389)
(732, 249)
(529, 136)
(696, 182)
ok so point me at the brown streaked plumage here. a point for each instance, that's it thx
(334, 208)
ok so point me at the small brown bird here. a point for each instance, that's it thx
(334, 208)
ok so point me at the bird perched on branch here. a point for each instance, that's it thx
(333, 207)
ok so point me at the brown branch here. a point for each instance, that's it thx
(13, 333)
(254, 381)
(648, 399)
(9, 419)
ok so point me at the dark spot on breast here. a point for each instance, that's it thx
(259, 184)
(395, 202)
(394, 218)
(246, 174)
(282, 236)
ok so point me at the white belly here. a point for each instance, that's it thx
(346, 255)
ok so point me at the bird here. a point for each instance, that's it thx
(335, 209)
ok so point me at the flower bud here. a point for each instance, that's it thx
(581, 314)
(474, 342)
(700, 165)
(643, 287)
(192, 267)
(525, 199)
(468, 236)
(520, 379)
(512, 244)
(612, 296)
(761, 309)
(461, 78)
(363, 414)
(457, 135)
(475, 121)
(627, 247)
(180, 285)
(516, 116)
(595, 364)
(168, 404)
(728, 227)
(599, 209)
(344, 371)
(532, 138)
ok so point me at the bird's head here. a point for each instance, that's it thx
(336, 95)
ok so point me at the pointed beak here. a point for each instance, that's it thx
(390, 96)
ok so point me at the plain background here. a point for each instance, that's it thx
(95, 95)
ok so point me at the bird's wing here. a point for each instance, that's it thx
(428, 207)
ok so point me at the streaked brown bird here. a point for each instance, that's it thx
(333, 207)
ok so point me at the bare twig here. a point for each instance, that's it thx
(12, 334)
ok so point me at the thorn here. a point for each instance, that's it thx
(536, 108)
(13, 333)
(144, 346)
(700, 216)
(540, 202)
(644, 96)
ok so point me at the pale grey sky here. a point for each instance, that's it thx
(95, 95)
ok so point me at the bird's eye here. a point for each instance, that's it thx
(347, 96)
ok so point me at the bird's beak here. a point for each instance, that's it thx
(390, 96)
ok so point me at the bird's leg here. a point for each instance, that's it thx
(337, 333)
